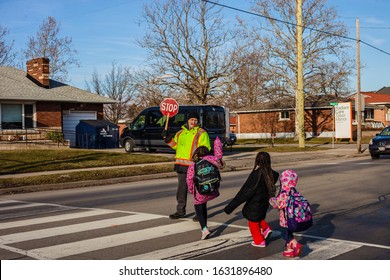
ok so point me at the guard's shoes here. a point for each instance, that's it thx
(176, 216)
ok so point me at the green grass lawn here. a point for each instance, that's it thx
(24, 161)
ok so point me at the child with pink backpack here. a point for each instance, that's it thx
(294, 211)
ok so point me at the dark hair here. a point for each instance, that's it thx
(200, 152)
(263, 164)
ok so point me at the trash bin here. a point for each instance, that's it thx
(97, 134)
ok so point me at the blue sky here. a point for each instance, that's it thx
(107, 31)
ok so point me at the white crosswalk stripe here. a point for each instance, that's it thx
(63, 217)
(186, 251)
(320, 250)
(19, 232)
(43, 233)
(74, 248)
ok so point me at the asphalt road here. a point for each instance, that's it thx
(349, 196)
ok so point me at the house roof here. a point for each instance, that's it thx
(374, 98)
(384, 90)
(15, 85)
(288, 103)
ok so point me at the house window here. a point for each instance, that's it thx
(369, 114)
(17, 116)
(284, 115)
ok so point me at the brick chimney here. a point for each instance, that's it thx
(38, 70)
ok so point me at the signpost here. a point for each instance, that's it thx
(342, 119)
(333, 104)
(169, 108)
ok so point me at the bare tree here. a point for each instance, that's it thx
(150, 89)
(188, 43)
(48, 43)
(117, 84)
(7, 56)
(324, 46)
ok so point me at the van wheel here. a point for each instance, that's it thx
(129, 145)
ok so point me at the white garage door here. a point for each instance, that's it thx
(69, 121)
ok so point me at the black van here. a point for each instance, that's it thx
(145, 131)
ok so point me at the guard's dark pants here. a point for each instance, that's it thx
(181, 194)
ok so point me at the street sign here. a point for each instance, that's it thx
(169, 107)
(333, 103)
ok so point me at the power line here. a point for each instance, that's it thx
(293, 24)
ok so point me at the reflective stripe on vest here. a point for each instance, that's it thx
(183, 161)
(172, 143)
(196, 141)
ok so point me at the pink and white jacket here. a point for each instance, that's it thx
(288, 179)
(214, 159)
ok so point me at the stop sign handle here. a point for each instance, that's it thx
(166, 122)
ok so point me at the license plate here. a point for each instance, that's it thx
(381, 148)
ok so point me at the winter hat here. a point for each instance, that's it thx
(288, 179)
(193, 115)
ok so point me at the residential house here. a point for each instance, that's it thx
(32, 104)
(376, 108)
(277, 119)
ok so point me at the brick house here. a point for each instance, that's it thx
(277, 119)
(31, 104)
(377, 108)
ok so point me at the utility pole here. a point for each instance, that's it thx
(358, 103)
(299, 95)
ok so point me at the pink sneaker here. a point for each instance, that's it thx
(267, 233)
(298, 249)
(262, 244)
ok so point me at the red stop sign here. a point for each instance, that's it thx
(169, 107)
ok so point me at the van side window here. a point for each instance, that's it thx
(214, 119)
(178, 120)
(139, 123)
(156, 119)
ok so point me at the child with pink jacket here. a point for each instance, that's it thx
(200, 200)
(288, 180)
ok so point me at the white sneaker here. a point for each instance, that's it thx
(205, 234)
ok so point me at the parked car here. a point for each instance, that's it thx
(380, 144)
(231, 140)
(146, 129)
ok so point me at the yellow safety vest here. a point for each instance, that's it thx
(186, 141)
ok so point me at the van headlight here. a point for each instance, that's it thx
(371, 142)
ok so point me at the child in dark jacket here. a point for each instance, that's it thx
(200, 200)
(256, 191)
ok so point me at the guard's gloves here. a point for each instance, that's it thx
(167, 138)
(164, 134)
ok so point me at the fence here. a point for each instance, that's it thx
(33, 136)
